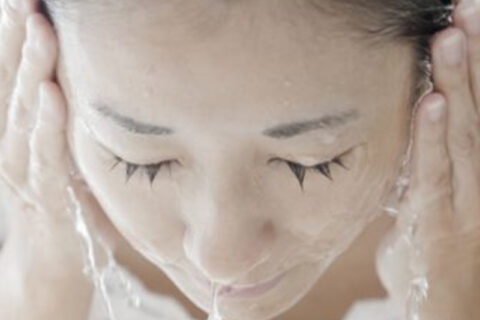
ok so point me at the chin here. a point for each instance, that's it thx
(287, 292)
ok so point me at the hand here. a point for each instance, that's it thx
(42, 247)
(444, 193)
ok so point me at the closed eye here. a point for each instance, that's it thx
(151, 170)
(324, 167)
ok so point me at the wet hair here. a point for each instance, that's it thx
(413, 22)
(44, 9)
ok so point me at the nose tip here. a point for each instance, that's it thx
(223, 257)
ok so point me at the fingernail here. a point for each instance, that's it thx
(453, 49)
(436, 109)
(471, 13)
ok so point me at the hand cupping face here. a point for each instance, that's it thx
(437, 236)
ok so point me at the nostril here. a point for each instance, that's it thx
(228, 255)
(268, 229)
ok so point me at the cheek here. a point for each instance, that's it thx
(146, 215)
(329, 213)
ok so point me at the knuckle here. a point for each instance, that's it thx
(464, 143)
(440, 178)
(434, 177)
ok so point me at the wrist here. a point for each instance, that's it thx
(28, 281)
(36, 246)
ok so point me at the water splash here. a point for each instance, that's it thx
(417, 295)
(91, 268)
(215, 313)
(100, 264)
(116, 280)
(391, 205)
(418, 285)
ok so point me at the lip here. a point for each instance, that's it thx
(246, 291)
(252, 290)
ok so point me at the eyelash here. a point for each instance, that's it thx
(151, 170)
(324, 167)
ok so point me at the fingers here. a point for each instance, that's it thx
(39, 56)
(48, 171)
(37, 65)
(463, 141)
(451, 76)
(12, 30)
(430, 193)
(12, 37)
(467, 17)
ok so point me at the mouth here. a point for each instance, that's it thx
(245, 291)
(251, 291)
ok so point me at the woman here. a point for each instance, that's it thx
(282, 125)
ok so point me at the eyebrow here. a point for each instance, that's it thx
(280, 131)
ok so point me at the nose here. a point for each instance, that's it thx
(225, 249)
(228, 233)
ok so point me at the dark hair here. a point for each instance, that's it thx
(413, 22)
(44, 10)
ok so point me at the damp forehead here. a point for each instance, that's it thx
(269, 69)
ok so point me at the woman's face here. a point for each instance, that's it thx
(221, 88)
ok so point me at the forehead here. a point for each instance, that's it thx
(253, 60)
